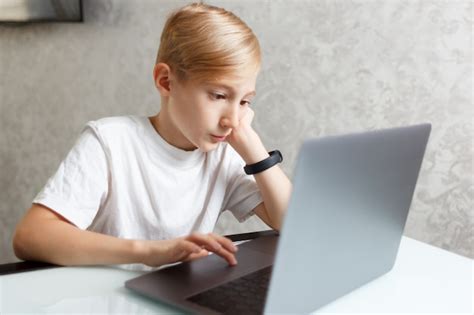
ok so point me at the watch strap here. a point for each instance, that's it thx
(274, 158)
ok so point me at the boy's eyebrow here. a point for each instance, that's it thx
(229, 88)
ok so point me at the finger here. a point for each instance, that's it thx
(190, 247)
(213, 245)
(219, 241)
(205, 240)
(227, 250)
(226, 242)
(193, 256)
(224, 253)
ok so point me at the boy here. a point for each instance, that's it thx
(150, 190)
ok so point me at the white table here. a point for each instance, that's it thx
(425, 279)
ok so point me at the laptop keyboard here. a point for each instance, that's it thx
(245, 295)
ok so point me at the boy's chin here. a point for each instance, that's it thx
(208, 146)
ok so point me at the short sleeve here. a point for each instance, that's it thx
(242, 192)
(80, 185)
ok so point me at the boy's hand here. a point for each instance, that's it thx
(246, 141)
(196, 245)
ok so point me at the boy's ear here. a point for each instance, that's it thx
(161, 75)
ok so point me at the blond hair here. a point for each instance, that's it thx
(201, 42)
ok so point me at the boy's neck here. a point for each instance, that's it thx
(163, 126)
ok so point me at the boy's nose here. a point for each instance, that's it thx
(231, 118)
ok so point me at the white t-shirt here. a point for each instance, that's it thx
(123, 179)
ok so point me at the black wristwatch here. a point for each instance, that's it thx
(274, 158)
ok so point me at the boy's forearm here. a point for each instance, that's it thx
(61, 243)
(273, 183)
(275, 188)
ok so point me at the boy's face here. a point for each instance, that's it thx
(202, 114)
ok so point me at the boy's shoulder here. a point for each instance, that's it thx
(117, 124)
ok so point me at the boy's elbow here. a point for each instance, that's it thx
(276, 224)
(17, 243)
(20, 243)
(276, 227)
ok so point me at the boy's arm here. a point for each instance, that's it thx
(275, 188)
(43, 235)
(273, 184)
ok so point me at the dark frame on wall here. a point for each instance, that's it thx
(28, 11)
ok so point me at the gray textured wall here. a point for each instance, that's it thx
(329, 67)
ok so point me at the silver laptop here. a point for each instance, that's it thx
(350, 201)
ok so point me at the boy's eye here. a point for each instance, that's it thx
(218, 96)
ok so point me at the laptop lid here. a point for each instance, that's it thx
(350, 201)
